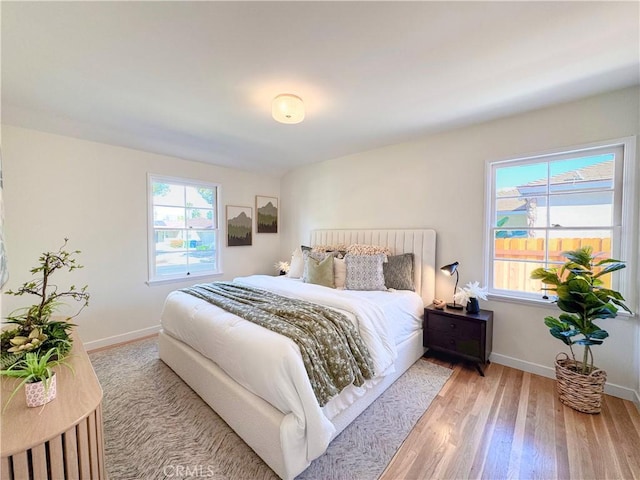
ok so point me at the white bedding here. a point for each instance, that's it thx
(270, 365)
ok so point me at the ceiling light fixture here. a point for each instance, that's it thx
(287, 108)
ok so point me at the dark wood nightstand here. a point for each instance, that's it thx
(466, 335)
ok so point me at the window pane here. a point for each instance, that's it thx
(515, 276)
(565, 240)
(200, 218)
(582, 173)
(170, 217)
(528, 179)
(527, 212)
(171, 263)
(200, 196)
(168, 240)
(531, 247)
(594, 209)
(165, 193)
(201, 261)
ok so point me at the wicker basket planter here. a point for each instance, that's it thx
(576, 390)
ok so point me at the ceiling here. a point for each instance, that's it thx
(195, 80)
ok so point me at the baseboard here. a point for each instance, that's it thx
(123, 338)
(609, 388)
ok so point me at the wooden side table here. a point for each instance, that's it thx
(456, 332)
(63, 439)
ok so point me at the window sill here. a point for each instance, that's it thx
(547, 304)
(186, 278)
(550, 304)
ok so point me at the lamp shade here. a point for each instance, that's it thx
(450, 269)
(287, 108)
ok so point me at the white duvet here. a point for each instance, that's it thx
(270, 365)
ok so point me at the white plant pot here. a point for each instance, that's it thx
(38, 395)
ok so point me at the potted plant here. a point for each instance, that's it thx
(469, 295)
(36, 329)
(38, 378)
(582, 295)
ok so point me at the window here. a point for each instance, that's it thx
(184, 235)
(541, 206)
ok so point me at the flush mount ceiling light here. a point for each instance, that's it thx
(287, 108)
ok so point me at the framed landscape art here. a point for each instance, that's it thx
(267, 213)
(239, 225)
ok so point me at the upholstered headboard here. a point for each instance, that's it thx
(421, 242)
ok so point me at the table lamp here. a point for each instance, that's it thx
(450, 270)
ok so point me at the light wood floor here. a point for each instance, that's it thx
(510, 424)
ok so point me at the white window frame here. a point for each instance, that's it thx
(154, 279)
(625, 241)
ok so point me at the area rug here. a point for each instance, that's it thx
(156, 427)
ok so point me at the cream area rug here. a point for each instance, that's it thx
(156, 427)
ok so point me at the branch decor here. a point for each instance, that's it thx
(36, 331)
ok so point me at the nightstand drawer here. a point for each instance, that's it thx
(447, 341)
(456, 326)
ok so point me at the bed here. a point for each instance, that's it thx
(282, 424)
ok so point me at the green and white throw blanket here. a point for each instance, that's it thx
(332, 350)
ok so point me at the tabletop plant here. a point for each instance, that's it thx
(582, 295)
(36, 328)
(35, 367)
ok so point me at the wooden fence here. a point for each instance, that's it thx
(514, 274)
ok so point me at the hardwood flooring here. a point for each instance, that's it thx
(511, 425)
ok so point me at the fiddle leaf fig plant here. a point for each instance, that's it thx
(35, 329)
(582, 295)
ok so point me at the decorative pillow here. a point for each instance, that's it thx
(360, 249)
(364, 272)
(339, 272)
(296, 268)
(319, 256)
(340, 248)
(398, 272)
(319, 272)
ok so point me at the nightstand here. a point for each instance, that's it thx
(465, 335)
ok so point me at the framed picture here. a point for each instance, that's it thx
(239, 225)
(267, 212)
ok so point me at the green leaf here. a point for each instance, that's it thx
(588, 342)
(553, 322)
(572, 320)
(581, 256)
(610, 268)
(599, 334)
(549, 277)
(621, 305)
(560, 336)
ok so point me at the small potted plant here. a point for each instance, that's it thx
(38, 378)
(582, 295)
(282, 267)
(35, 329)
(469, 295)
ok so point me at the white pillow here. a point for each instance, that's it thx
(297, 264)
(339, 272)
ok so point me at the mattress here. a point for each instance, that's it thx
(269, 365)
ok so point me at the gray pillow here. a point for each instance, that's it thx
(398, 272)
(319, 272)
(364, 272)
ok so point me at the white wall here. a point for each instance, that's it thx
(438, 182)
(96, 195)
